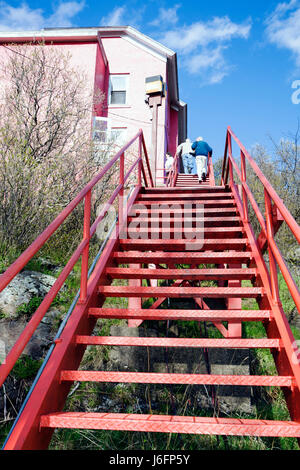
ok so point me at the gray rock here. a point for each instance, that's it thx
(47, 264)
(10, 331)
(22, 289)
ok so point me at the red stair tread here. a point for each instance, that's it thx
(181, 196)
(174, 202)
(169, 190)
(183, 258)
(201, 205)
(200, 216)
(137, 211)
(189, 274)
(184, 379)
(183, 292)
(232, 343)
(187, 222)
(208, 232)
(187, 315)
(171, 424)
(184, 244)
(167, 232)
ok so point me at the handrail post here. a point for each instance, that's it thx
(147, 160)
(272, 260)
(224, 160)
(230, 166)
(229, 154)
(85, 254)
(244, 180)
(121, 193)
(175, 170)
(139, 170)
(210, 169)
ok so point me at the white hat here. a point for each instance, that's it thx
(199, 139)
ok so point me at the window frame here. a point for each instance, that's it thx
(126, 76)
(116, 128)
(107, 131)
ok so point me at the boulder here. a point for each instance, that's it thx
(25, 286)
(10, 331)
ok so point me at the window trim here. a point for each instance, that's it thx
(119, 105)
(108, 127)
(117, 128)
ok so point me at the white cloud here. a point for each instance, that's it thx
(114, 18)
(64, 14)
(202, 45)
(166, 16)
(283, 27)
(24, 18)
(122, 16)
(211, 64)
(220, 30)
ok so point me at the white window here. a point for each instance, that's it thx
(118, 135)
(101, 130)
(103, 133)
(118, 89)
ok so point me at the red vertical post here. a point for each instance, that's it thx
(234, 328)
(85, 254)
(229, 152)
(139, 175)
(270, 235)
(121, 194)
(136, 303)
(223, 177)
(244, 194)
(154, 102)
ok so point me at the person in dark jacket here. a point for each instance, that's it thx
(201, 149)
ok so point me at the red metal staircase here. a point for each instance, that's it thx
(185, 233)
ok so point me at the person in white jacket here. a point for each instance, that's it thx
(169, 162)
(185, 151)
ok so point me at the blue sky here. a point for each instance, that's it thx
(237, 60)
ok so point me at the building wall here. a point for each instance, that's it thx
(82, 58)
(125, 57)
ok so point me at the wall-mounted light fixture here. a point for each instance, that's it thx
(155, 90)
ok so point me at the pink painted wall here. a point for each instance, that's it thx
(127, 58)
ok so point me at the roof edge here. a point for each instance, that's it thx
(83, 34)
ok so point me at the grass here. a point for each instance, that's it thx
(26, 367)
(26, 310)
(120, 441)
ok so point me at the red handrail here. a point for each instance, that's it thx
(82, 249)
(210, 170)
(172, 177)
(272, 202)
